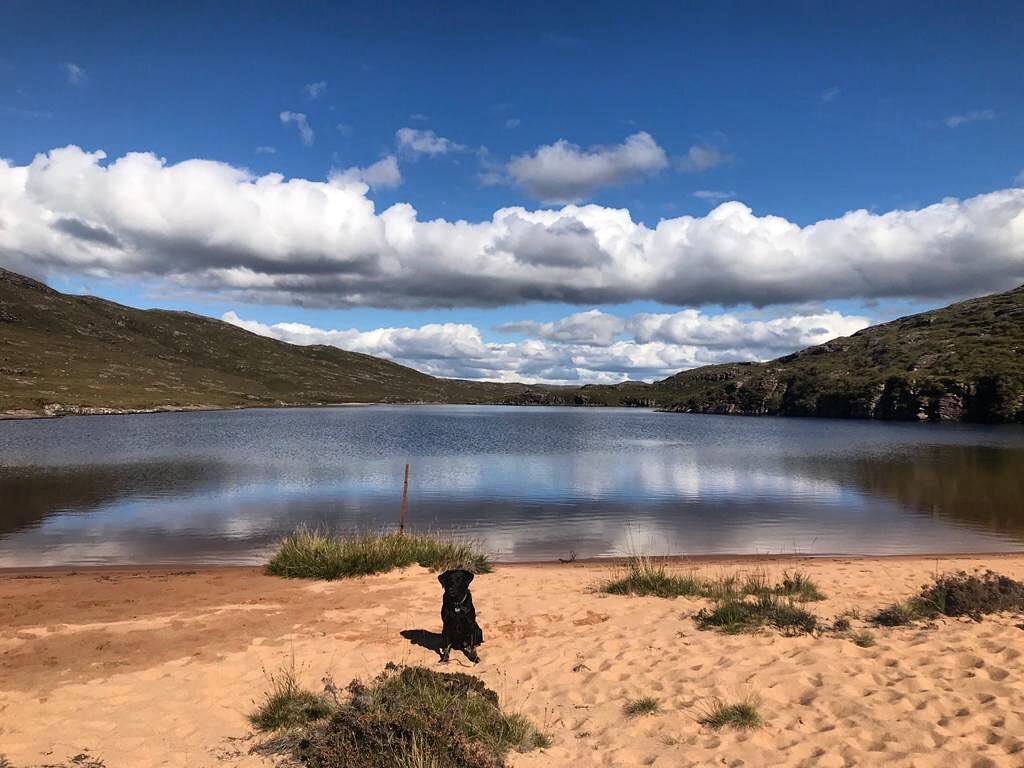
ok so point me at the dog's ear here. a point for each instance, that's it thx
(469, 577)
(445, 577)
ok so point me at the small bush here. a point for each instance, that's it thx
(743, 715)
(841, 624)
(903, 613)
(645, 705)
(288, 704)
(733, 616)
(312, 554)
(956, 594)
(862, 639)
(414, 717)
(965, 594)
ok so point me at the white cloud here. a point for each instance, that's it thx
(75, 74)
(563, 172)
(1019, 179)
(209, 227)
(714, 194)
(419, 117)
(955, 121)
(313, 91)
(344, 129)
(265, 150)
(300, 121)
(384, 174)
(586, 347)
(701, 158)
(513, 122)
(425, 142)
(831, 94)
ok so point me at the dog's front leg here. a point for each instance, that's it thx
(445, 651)
(471, 654)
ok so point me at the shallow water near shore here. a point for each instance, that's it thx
(531, 483)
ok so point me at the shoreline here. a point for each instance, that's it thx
(617, 561)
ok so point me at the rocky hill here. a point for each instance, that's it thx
(964, 362)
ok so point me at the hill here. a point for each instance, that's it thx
(964, 362)
(80, 354)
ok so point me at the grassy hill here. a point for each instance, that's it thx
(80, 354)
(73, 354)
(964, 362)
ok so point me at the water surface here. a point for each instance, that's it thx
(533, 483)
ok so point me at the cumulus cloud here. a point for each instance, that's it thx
(585, 347)
(564, 172)
(313, 91)
(424, 142)
(955, 121)
(384, 174)
(701, 158)
(213, 228)
(300, 122)
(75, 74)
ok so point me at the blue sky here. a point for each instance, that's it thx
(803, 111)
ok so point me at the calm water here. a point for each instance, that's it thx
(533, 483)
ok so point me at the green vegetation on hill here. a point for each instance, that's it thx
(964, 362)
(68, 354)
(80, 354)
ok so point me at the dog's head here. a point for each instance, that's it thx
(455, 583)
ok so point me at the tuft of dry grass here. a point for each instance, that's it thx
(733, 616)
(743, 714)
(287, 704)
(645, 705)
(310, 553)
(647, 576)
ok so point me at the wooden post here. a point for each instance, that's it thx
(405, 496)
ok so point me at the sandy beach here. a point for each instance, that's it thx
(144, 667)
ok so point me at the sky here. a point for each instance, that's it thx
(538, 192)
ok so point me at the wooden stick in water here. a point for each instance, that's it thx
(405, 495)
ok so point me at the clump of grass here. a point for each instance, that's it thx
(800, 586)
(4, 762)
(313, 554)
(743, 715)
(414, 717)
(645, 705)
(862, 639)
(646, 576)
(733, 616)
(956, 594)
(287, 704)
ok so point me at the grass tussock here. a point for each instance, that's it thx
(645, 705)
(862, 639)
(313, 554)
(743, 714)
(287, 704)
(956, 594)
(413, 717)
(733, 615)
(647, 576)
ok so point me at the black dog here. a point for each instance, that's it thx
(458, 616)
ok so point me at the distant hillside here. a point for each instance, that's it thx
(80, 354)
(73, 354)
(961, 363)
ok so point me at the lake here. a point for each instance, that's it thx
(532, 483)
